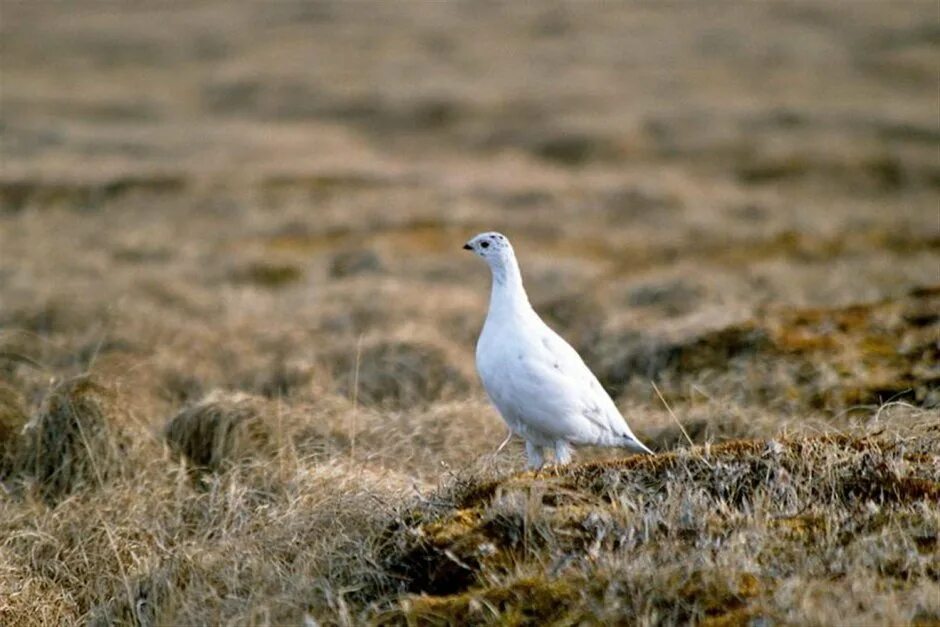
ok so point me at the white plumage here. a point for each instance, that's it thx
(540, 385)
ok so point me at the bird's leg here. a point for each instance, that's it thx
(501, 447)
(534, 457)
(504, 443)
(562, 453)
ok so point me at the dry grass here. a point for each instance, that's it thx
(703, 535)
(12, 418)
(237, 328)
(397, 374)
(222, 430)
(74, 441)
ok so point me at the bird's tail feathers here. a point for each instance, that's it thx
(631, 443)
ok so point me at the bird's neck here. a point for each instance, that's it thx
(508, 295)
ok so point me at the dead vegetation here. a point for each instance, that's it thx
(12, 420)
(237, 328)
(397, 374)
(20, 194)
(224, 429)
(832, 358)
(74, 441)
(561, 545)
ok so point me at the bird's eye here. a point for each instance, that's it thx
(484, 244)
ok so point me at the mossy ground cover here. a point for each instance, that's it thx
(570, 544)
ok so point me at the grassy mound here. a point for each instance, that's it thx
(869, 354)
(74, 441)
(822, 358)
(398, 374)
(223, 429)
(12, 413)
(732, 529)
(12, 419)
(267, 274)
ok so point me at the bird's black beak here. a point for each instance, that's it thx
(467, 247)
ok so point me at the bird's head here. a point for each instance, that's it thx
(493, 247)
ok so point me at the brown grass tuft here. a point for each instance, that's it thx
(398, 374)
(268, 274)
(354, 262)
(223, 429)
(12, 420)
(74, 441)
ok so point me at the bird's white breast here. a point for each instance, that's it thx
(497, 347)
(519, 377)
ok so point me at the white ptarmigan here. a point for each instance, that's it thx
(540, 385)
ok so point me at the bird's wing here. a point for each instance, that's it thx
(558, 394)
(596, 403)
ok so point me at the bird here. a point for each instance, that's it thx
(541, 387)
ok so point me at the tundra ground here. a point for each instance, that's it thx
(237, 325)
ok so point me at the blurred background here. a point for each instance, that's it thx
(259, 196)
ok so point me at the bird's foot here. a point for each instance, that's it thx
(549, 470)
